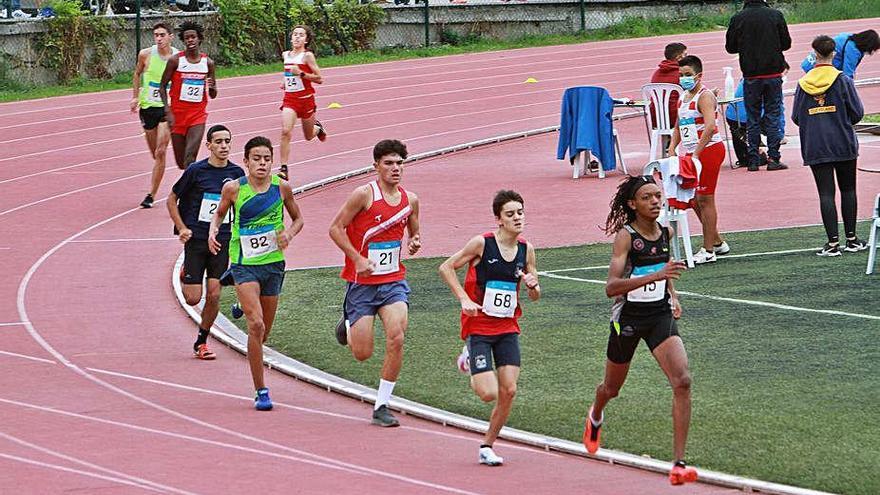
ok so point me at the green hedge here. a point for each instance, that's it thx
(253, 31)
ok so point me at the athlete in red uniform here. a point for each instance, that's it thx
(497, 263)
(300, 72)
(369, 229)
(191, 73)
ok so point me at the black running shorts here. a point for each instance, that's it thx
(197, 260)
(625, 335)
(503, 348)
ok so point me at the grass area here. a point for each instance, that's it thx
(873, 118)
(796, 12)
(779, 395)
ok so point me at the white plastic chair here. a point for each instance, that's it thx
(675, 218)
(658, 96)
(872, 241)
(582, 160)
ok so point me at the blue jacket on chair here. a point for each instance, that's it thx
(585, 124)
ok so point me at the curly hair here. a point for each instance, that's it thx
(621, 213)
(191, 26)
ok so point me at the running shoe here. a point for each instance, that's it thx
(147, 202)
(384, 418)
(322, 134)
(262, 402)
(202, 352)
(342, 331)
(702, 257)
(855, 245)
(236, 310)
(776, 165)
(19, 14)
(282, 172)
(489, 458)
(721, 249)
(829, 250)
(592, 433)
(681, 474)
(464, 361)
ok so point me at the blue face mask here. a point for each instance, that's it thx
(687, 82)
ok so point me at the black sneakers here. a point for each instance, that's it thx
(776, 165)
(855, 245)
(147, 202)
(384, 418)
(282, 172)
(322, 134)
(829, 250)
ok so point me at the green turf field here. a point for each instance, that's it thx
(779, 394)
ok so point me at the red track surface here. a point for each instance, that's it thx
(98, 391)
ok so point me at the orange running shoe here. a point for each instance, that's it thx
(202, 352)
(681, 474)
(592, 433)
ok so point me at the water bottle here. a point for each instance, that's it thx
(729, 83)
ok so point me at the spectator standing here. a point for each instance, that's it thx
(759, 35)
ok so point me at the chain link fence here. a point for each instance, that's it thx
(107, 34)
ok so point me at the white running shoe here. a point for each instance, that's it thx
(464, 362)
(722, 249)
(488, 457)
(702, 257)
(19, 14)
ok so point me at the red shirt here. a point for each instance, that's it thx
(293, 84)
(667, 72)
(492, 267)
(189, 90)
(377, 233)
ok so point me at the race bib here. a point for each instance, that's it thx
(653, 292)
(292, 83)
(688, 130)
(499, 299)
(192, 90)
(153, 93)
(258, 241)
(210, 203)
(386, 256)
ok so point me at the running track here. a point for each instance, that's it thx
(98, 391)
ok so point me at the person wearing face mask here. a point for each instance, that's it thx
(696, 136)
(759, 35)
(826, 106)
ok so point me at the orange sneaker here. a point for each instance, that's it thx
(202, 352)
(592, 433)
(681, 474)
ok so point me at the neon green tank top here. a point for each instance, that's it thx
(258, 220)
(151, 78)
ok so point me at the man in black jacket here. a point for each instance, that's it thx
(759, 35)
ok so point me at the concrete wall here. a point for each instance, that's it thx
(21, 53)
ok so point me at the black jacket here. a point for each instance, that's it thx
(759, 34)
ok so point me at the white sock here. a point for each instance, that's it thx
(597, 423)
(385, 389)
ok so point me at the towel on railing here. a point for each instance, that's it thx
(586, 125)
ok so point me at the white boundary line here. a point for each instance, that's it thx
(750, 302)
(142, 239)
(141, 482)
(12, 324)
(229, 334)
(90, 474)
(25, 356)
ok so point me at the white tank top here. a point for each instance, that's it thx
(691, 124)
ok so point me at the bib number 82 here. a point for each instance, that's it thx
(256, 242)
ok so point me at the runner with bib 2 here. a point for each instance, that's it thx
(192, 203)
(497, 263)
(646, 307)
(256, 248)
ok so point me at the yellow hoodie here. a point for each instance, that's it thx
(819, 79)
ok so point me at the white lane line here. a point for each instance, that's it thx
(750, 302)
(77, 471)
(12, 324)
(143, 483)
(25, 356)
(303, 409)
(129, 239)
(320, 460)
(721, 257)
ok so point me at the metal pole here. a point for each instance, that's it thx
(583, 17)
(8, 6)
(137, 29)
(287, 25)
(427, 27)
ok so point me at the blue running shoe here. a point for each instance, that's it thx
(262, 402)
(236, 311)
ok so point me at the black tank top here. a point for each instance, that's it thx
(493, 266)
(645, 257)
